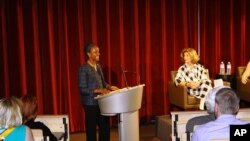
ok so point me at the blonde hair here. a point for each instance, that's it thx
(193, 54)
(10, 112)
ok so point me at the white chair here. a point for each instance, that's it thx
(58, 125)
(38, 135)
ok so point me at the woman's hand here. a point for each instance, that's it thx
(113, 88)
(244, 79)
(101, 91)
(193, 84)
(106, 90)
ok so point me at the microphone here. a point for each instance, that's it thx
(124, 75)
(133, 72)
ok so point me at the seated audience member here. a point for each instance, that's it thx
(210, 102)
(193, 76)
(11, 128)
(246, 74)
(225, 109)
(29, 107)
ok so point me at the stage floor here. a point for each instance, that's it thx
(147, 133)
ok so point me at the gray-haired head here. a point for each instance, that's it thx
(227, 102)
(210, 98)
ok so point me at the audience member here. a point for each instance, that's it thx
(225, 109)
(29, 107)
(91, 83)
(209, 102)
(11, 128)
(246, 74)
(193, 76)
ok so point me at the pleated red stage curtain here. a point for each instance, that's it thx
(41, 46)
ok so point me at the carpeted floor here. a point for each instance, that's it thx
(147, 133)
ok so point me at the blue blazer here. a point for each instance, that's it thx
(88, 82)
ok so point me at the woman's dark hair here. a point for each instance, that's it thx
(29, 107)
(88, 47)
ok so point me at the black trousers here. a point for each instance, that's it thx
(93, 117)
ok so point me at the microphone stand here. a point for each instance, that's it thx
(125, 78)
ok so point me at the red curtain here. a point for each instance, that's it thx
(225, 32)
(42, 43)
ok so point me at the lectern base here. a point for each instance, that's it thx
(129, 126)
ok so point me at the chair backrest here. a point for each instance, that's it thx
(207, 74)
(37, 132)
(58, 125)
(241, 69)
(38, 135)
(173, 74)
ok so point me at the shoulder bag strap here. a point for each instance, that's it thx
(5, 133)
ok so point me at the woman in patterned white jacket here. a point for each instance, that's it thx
(193, 76)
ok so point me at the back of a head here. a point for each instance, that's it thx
(227, 101)
(210, 98)
(29, 107)
(10, 113)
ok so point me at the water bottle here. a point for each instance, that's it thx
(222, 68)
(228, 68)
